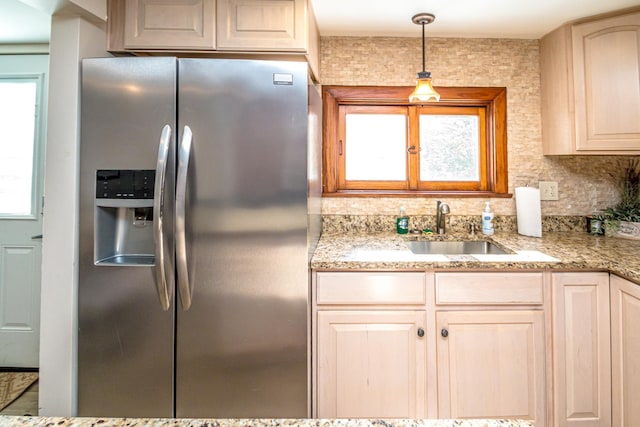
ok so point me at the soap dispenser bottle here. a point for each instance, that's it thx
(487, 220)
(402, 222)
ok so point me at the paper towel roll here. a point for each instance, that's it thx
(529, 215)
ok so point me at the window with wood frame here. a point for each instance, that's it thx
(376, 143)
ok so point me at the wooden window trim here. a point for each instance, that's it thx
(494, 99)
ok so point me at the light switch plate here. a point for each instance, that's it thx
(548, 190)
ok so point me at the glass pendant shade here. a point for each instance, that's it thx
(424, 91)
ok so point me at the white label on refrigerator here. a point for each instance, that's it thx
(282, 79)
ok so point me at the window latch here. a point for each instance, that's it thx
(413, 150)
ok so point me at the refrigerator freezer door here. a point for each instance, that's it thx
(125, 338)
(242, 345)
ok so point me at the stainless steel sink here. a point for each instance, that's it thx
(469, 247)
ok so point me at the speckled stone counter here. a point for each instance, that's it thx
(6, 421)
(569, 251)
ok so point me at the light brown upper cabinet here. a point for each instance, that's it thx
(262, 25)
(590, 86)
(162, 25)
(215, 28)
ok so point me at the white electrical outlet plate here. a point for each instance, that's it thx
(548, 190)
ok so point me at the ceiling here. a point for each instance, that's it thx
(20, 23)
(456, 18)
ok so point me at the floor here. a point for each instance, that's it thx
(26, 404)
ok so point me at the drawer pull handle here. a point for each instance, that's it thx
(444, 333)
(420, 332)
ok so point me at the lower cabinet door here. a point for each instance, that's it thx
(625, 352)
(491, 365)
(581, 350)
(371, 364)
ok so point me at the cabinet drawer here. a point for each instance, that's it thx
(370, 288)
(489, 288)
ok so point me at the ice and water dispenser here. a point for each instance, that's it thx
(124, 217)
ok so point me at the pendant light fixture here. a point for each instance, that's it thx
(424, 91)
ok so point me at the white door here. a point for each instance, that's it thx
(22, 132)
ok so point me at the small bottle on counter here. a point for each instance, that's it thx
(596, 223)
(402, 222)
(487, 220)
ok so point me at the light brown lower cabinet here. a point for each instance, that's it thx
(581, 350)
(491, 364)
(371, 364)
(625, 352)
(378, 354)
(560, 349)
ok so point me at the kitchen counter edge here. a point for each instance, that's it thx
(572, 251)
(11, 421)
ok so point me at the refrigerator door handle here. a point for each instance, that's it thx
(158, 205)
(184, 153)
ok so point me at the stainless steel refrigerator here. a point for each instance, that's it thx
(199, 190)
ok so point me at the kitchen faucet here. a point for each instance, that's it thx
(442, 209)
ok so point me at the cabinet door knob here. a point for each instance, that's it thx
(420, 332)
(444, 333)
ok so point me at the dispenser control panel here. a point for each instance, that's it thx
(125, 184)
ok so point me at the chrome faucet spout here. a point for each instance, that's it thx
(442, 209)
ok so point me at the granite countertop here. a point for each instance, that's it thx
(555, 250)
(6, 421)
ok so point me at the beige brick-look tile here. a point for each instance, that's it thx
(511, 63)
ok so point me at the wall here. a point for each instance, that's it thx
(582, 180)
(72, 38)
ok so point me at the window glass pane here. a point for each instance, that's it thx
(450, 148)
(375, 147)
(17, 121)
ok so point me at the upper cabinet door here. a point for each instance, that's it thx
(276, 25)
(590, 86)
(607, 83)
(170, 24)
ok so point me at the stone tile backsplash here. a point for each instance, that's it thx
(455, 223)
(583, 182)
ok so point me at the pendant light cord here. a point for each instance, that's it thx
(423, 54)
